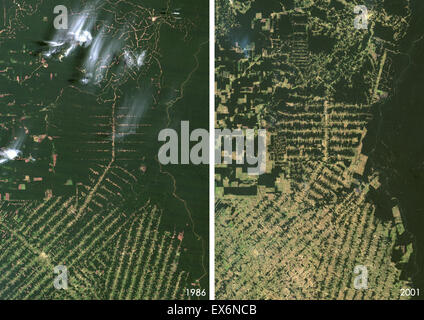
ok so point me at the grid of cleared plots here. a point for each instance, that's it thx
(109, 252)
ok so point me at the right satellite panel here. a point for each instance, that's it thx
(319, 155)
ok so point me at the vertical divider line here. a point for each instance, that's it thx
(212, 149)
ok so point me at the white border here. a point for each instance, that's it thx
(211, 149)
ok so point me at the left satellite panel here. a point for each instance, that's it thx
(104, 176)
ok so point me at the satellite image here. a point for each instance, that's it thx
(338, 212)
(319, 156)
(86, 209)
